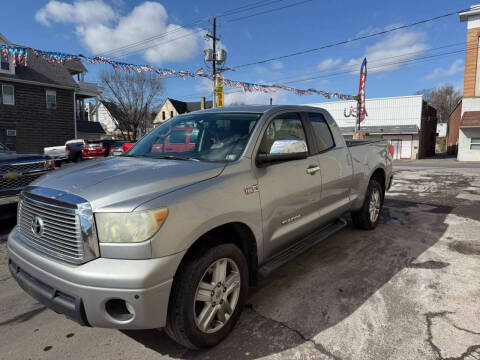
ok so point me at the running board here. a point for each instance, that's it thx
(300, 247)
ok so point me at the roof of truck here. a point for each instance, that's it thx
(258, 108)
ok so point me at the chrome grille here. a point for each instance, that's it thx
(21, 167)
(61, 236)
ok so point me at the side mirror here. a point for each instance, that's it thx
(284, 150)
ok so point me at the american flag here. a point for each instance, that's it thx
(361, 89)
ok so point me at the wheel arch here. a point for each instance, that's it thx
(235, 232)
(379, 175)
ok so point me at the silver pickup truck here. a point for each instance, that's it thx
(172, 237)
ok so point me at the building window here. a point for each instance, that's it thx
(163, 115)
(475, 144)
(5, 65)
(51, 96)
(171, 114)
(8, 96)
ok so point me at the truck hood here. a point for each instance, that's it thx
(7, 156)
(123, 183)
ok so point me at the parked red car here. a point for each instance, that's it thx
(93, 149)
(181, 139)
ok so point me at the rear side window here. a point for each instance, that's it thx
(321, 131)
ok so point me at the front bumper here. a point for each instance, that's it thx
(81, 292)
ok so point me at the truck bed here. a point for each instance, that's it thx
(354, 142)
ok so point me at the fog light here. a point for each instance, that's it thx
(119, 309)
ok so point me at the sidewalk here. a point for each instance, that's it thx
(440, 160)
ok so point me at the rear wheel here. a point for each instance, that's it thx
(369, 215)
(208, 297)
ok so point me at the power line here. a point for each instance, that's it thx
(146, 44)
(347, 41)
(243, 8)
(247, 7)
(404, 62)
(268, 11)
(357, 64)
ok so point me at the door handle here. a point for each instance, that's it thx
(312, 169)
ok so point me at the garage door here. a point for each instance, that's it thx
(402, 145)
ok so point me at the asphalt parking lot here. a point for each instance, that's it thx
(408, 290)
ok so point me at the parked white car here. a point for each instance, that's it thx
(62, 152)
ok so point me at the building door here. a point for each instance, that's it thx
(402, 146)
(397, 146)
(406, 150)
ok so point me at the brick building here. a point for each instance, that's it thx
(40, 102)
(464, 121)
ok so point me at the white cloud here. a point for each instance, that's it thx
(329, 63)
(388, 53)
(102, 29)
(277, 65)
(368, 31)
(80, 12)
(254, 98)
(456, 67)
(204, 86)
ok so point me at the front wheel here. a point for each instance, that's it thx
(368, 216)
(208, 297)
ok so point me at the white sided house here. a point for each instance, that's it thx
(407, 122)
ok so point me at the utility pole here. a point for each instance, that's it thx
(214, 60)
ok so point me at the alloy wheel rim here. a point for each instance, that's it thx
(374, 206)
(217, 295)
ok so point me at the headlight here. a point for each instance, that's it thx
(130, 227)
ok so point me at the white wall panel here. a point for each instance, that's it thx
(394, 111)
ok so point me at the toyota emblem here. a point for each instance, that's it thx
(38, 226)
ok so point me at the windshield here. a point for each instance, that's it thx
(205, 136)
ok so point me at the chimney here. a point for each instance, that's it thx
(202, 103)
(471, 82)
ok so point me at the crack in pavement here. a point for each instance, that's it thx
(318, 347)
(471, 351)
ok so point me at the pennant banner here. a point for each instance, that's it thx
(20, 55)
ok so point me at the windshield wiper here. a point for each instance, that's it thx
(173, 157)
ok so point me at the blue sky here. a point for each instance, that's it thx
(98, 26)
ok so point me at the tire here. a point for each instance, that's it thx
(184, 311)
(368, 216)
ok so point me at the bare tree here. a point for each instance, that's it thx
(444, 98)
(130, 98)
